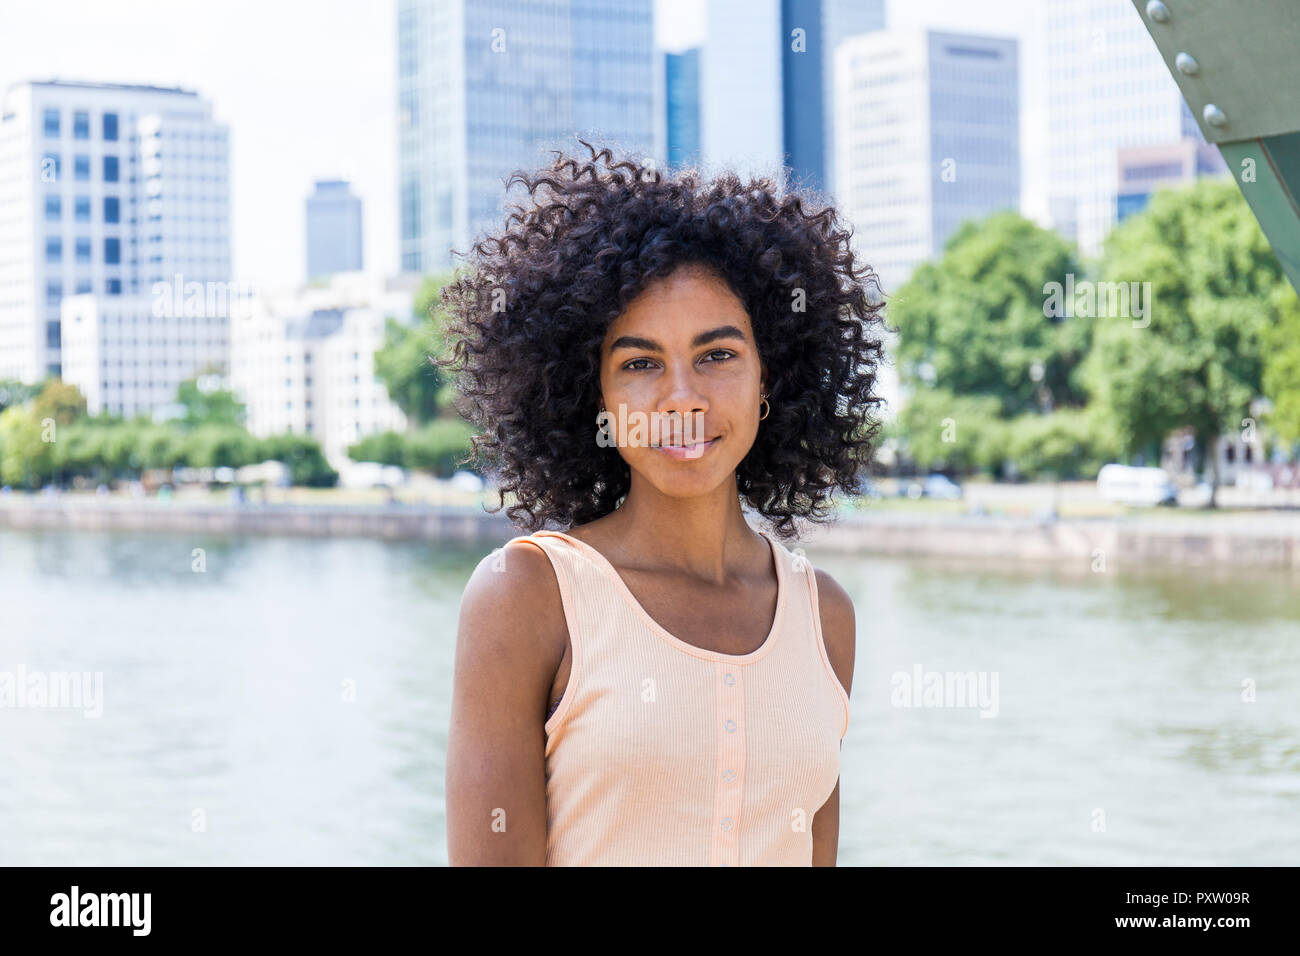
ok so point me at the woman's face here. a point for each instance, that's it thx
(682, 362)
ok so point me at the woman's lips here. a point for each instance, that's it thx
(687, 452)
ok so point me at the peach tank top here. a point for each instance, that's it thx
(664, 754)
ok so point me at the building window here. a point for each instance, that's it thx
(53, 249)
(110, 169)
(113, 287)
(53, 208)
(112, 251)
(83, 286)
(81, 125)
(53, 291)
(110, 127)
(112, 210)
(81, 168)
(83, 251)
(51, 122)
(81, 209)
(51, 167)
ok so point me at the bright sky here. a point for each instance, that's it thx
(307, 88)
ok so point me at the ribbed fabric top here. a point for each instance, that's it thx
(665, 754)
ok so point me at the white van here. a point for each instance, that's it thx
(1136, 486)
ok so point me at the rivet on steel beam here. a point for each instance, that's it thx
(1158, 12)
(1187, 64)
(1215, 116)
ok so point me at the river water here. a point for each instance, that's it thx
(286, 700)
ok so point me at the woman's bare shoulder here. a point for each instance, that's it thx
(512, 602)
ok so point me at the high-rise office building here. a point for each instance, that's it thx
(767, 83)
(1142, 170)
(928, 137)
(108, 189)
(682, 88)
(333, 228)
(486, 87)
(1107, 89)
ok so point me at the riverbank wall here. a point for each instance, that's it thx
(1270, 540)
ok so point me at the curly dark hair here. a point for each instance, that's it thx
(528, 318)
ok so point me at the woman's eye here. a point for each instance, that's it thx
(633, 367)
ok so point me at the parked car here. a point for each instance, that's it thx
(931, 486)
(466, 481)
(941, 486)
(1129, 485)
(371, 474)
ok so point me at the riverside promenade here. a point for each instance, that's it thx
(1268, 539)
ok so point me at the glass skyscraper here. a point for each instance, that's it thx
(682, 79)
(767, 83)
(489, 86)
(333, 226)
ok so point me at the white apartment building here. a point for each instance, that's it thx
(1107, 89)
(129, 354)
(105, 189)
(303, 361)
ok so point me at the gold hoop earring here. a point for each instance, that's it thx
(764, 401)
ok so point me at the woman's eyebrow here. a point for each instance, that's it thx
(704, 338)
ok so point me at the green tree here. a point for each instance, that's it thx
(441, 446)
(59, 401)
(218, 446)
(80, 449)
(26, 448)
(1196, 358)
(950, 432)
(303, 456)
(1069, 443)
(14, 392)
(386, 448)
(403, 364)
(1282, 368)
(210, 407)
(975, 321)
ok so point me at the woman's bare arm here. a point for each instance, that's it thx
(509, 642)
(839, 631)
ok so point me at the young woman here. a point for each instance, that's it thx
(658, 683)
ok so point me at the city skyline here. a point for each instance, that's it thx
(341, 86)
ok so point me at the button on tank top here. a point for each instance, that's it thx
(665, 754)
